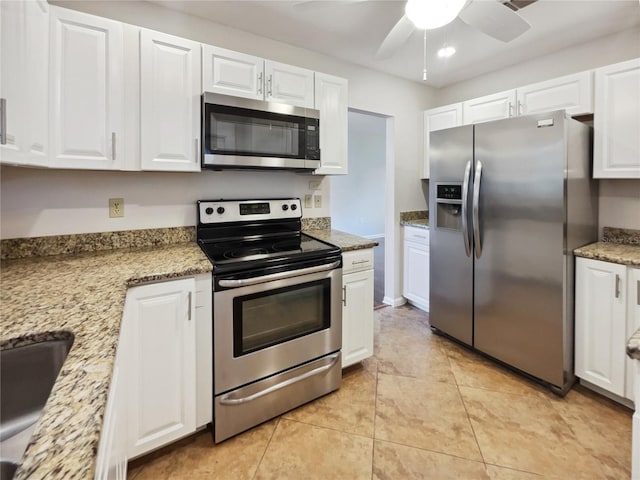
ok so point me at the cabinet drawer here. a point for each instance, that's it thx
(357, 260)
(416, 235)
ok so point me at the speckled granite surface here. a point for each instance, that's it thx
(346, 241)
(419, 223)
(414, 215)
(91, 242)
(627, 236)
(611, 252)
(318, 223)
(81, 294)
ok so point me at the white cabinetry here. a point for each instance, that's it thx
(86, 96)
(616, 142)
(161, 364)
(24, 82)
(605, 320)
(170, 91)
(633, 324)
(490, 107)
(357, 310)
(233, 73)
(439, 119)
(416, 267)
(331, 98)
(574, 93)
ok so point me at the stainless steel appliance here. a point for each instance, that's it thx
(510, 200)
(277, 312)
(244, 133)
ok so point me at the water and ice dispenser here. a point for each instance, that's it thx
(449, 206)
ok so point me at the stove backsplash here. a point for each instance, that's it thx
(318, 223)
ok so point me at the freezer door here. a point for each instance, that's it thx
(451, 268)
(519, 248)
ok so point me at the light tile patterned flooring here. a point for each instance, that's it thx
(422, 407)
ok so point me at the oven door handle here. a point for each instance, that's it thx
(227, 400)
(277, 276)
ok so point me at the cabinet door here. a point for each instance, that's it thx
(24, 81)
(633, 324)
(600, 327)
(357, 317)
(232, 73)
(439, 119)
(288, 84)
(161, 364)
(491, 107)
(574, 93)
(331, 99)
(86, 97)
(416, 274)
(170, 102)
(616, 143)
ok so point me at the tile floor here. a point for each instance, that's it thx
(422, 407)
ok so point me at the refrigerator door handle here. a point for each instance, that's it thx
(465, 195)
(476, 208)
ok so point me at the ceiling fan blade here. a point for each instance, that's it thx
(494, 19)
(397, 37)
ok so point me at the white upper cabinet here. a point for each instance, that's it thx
(490, 107)
(574, 93)
(288, 84)
(439, 119)
(86, 96)
(24, 82)
(331, 99)
(232, 73)
(170, 91)
(616, 142)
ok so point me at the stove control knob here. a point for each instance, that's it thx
(220, 210)
(285, 207)
(293, 206)
(208, 210)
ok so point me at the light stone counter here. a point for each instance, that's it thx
(346, 241)
(420, 223)
(48, 297)
(611, 252)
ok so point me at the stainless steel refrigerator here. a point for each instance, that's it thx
(509, 201)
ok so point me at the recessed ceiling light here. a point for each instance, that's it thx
(446, 52)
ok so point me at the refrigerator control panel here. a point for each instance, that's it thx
(449, 191)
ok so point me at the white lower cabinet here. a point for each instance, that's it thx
(357, 309)
(161, 383)
(416, 267)
(603, 326)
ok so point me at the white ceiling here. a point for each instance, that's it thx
(353, 31)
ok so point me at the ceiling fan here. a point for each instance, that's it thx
(496, 18)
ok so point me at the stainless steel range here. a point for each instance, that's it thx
(277, 313)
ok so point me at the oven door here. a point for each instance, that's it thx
(267, 324)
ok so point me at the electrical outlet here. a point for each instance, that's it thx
(314, 185)
(317, 200)
(308, 201)
(116, 207)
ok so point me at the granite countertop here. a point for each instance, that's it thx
(419, 223)
(346, 241)
(611, 252)
(46, 298)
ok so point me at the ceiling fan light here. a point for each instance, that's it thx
(430, 14)
(446, 52)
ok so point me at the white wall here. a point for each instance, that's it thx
(619, 204)
(358, 199)
(614, 48)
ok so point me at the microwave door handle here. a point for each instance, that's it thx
(244, 282)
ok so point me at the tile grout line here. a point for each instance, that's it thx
(265, 448)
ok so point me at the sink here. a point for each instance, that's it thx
(27, 375)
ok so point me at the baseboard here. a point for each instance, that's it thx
(394, 302)
(422, 306)
(611, 396)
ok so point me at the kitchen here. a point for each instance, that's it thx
(73, 202)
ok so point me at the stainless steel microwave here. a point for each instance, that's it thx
(244, 133)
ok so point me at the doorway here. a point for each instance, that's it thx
(359, 199)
